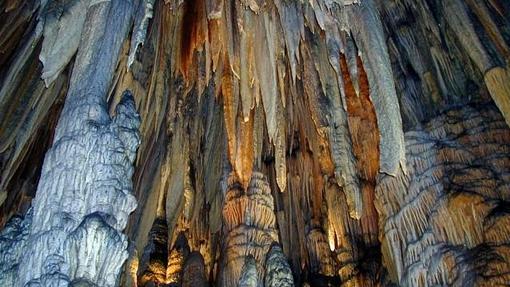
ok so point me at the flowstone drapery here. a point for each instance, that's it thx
(73, 234)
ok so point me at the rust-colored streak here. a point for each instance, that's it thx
(362, 123)
(308, 162)
(365, 142)
(193, 31)
(239, 132)
(215, 29)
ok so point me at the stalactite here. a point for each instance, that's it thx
(63, 25)
(368, 34)
(497, 80)
(144, 13)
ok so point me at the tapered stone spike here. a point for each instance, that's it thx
(497, 80)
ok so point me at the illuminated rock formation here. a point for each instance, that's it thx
(250, 231)
(444, 222)
(84, 195)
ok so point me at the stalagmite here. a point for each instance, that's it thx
(278, 273)
(250, 231)
(249, 274)
(154, 261)
(176, 259)
(13, 242)
(193, 272)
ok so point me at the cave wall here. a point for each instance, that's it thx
(281, 143)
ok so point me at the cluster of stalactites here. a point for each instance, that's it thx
(440, 47)
(260, 63)
(257, 60)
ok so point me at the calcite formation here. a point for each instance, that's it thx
(73, 233)
(254, 143)
(250, 232)
(193, 272)
(278, 271)
(444, 223)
